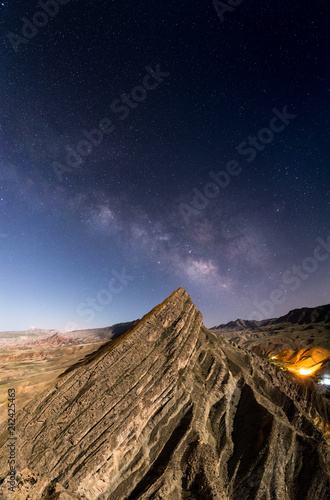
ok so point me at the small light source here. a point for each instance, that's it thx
(325, 381)
(304, 371)
(273, 357)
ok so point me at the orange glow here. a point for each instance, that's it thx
(305, 361)
(304, 371)
(300, 370)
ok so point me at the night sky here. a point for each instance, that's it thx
(150, 145)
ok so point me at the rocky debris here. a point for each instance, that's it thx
(169, 411)
(25, 479)
(57, 492)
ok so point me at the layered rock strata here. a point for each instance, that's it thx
(169, 411)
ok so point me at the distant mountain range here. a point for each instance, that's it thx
(239, 324)
(305, 315)
(297, 333)
(43, 338)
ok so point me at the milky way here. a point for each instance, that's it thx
(165, 143)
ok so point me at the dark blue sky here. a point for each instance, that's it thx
(97, 229)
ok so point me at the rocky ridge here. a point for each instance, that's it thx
(299, 329)
(306, 315)
(170, 411)
(238, 325)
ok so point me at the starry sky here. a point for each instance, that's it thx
(150, 145)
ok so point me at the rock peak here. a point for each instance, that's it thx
(168, 410)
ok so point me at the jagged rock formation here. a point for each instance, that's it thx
(169, 411)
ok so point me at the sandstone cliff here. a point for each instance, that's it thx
(169, 411)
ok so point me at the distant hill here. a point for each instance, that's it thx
(38, 331)
(24, 333)
(306, 315)
(299, 329)
(105, 333)
(239, 324)
(43, 338)
(54, 340)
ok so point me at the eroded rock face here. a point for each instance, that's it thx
(169, 411)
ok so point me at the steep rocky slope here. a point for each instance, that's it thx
(36, 359)
(169, 411)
